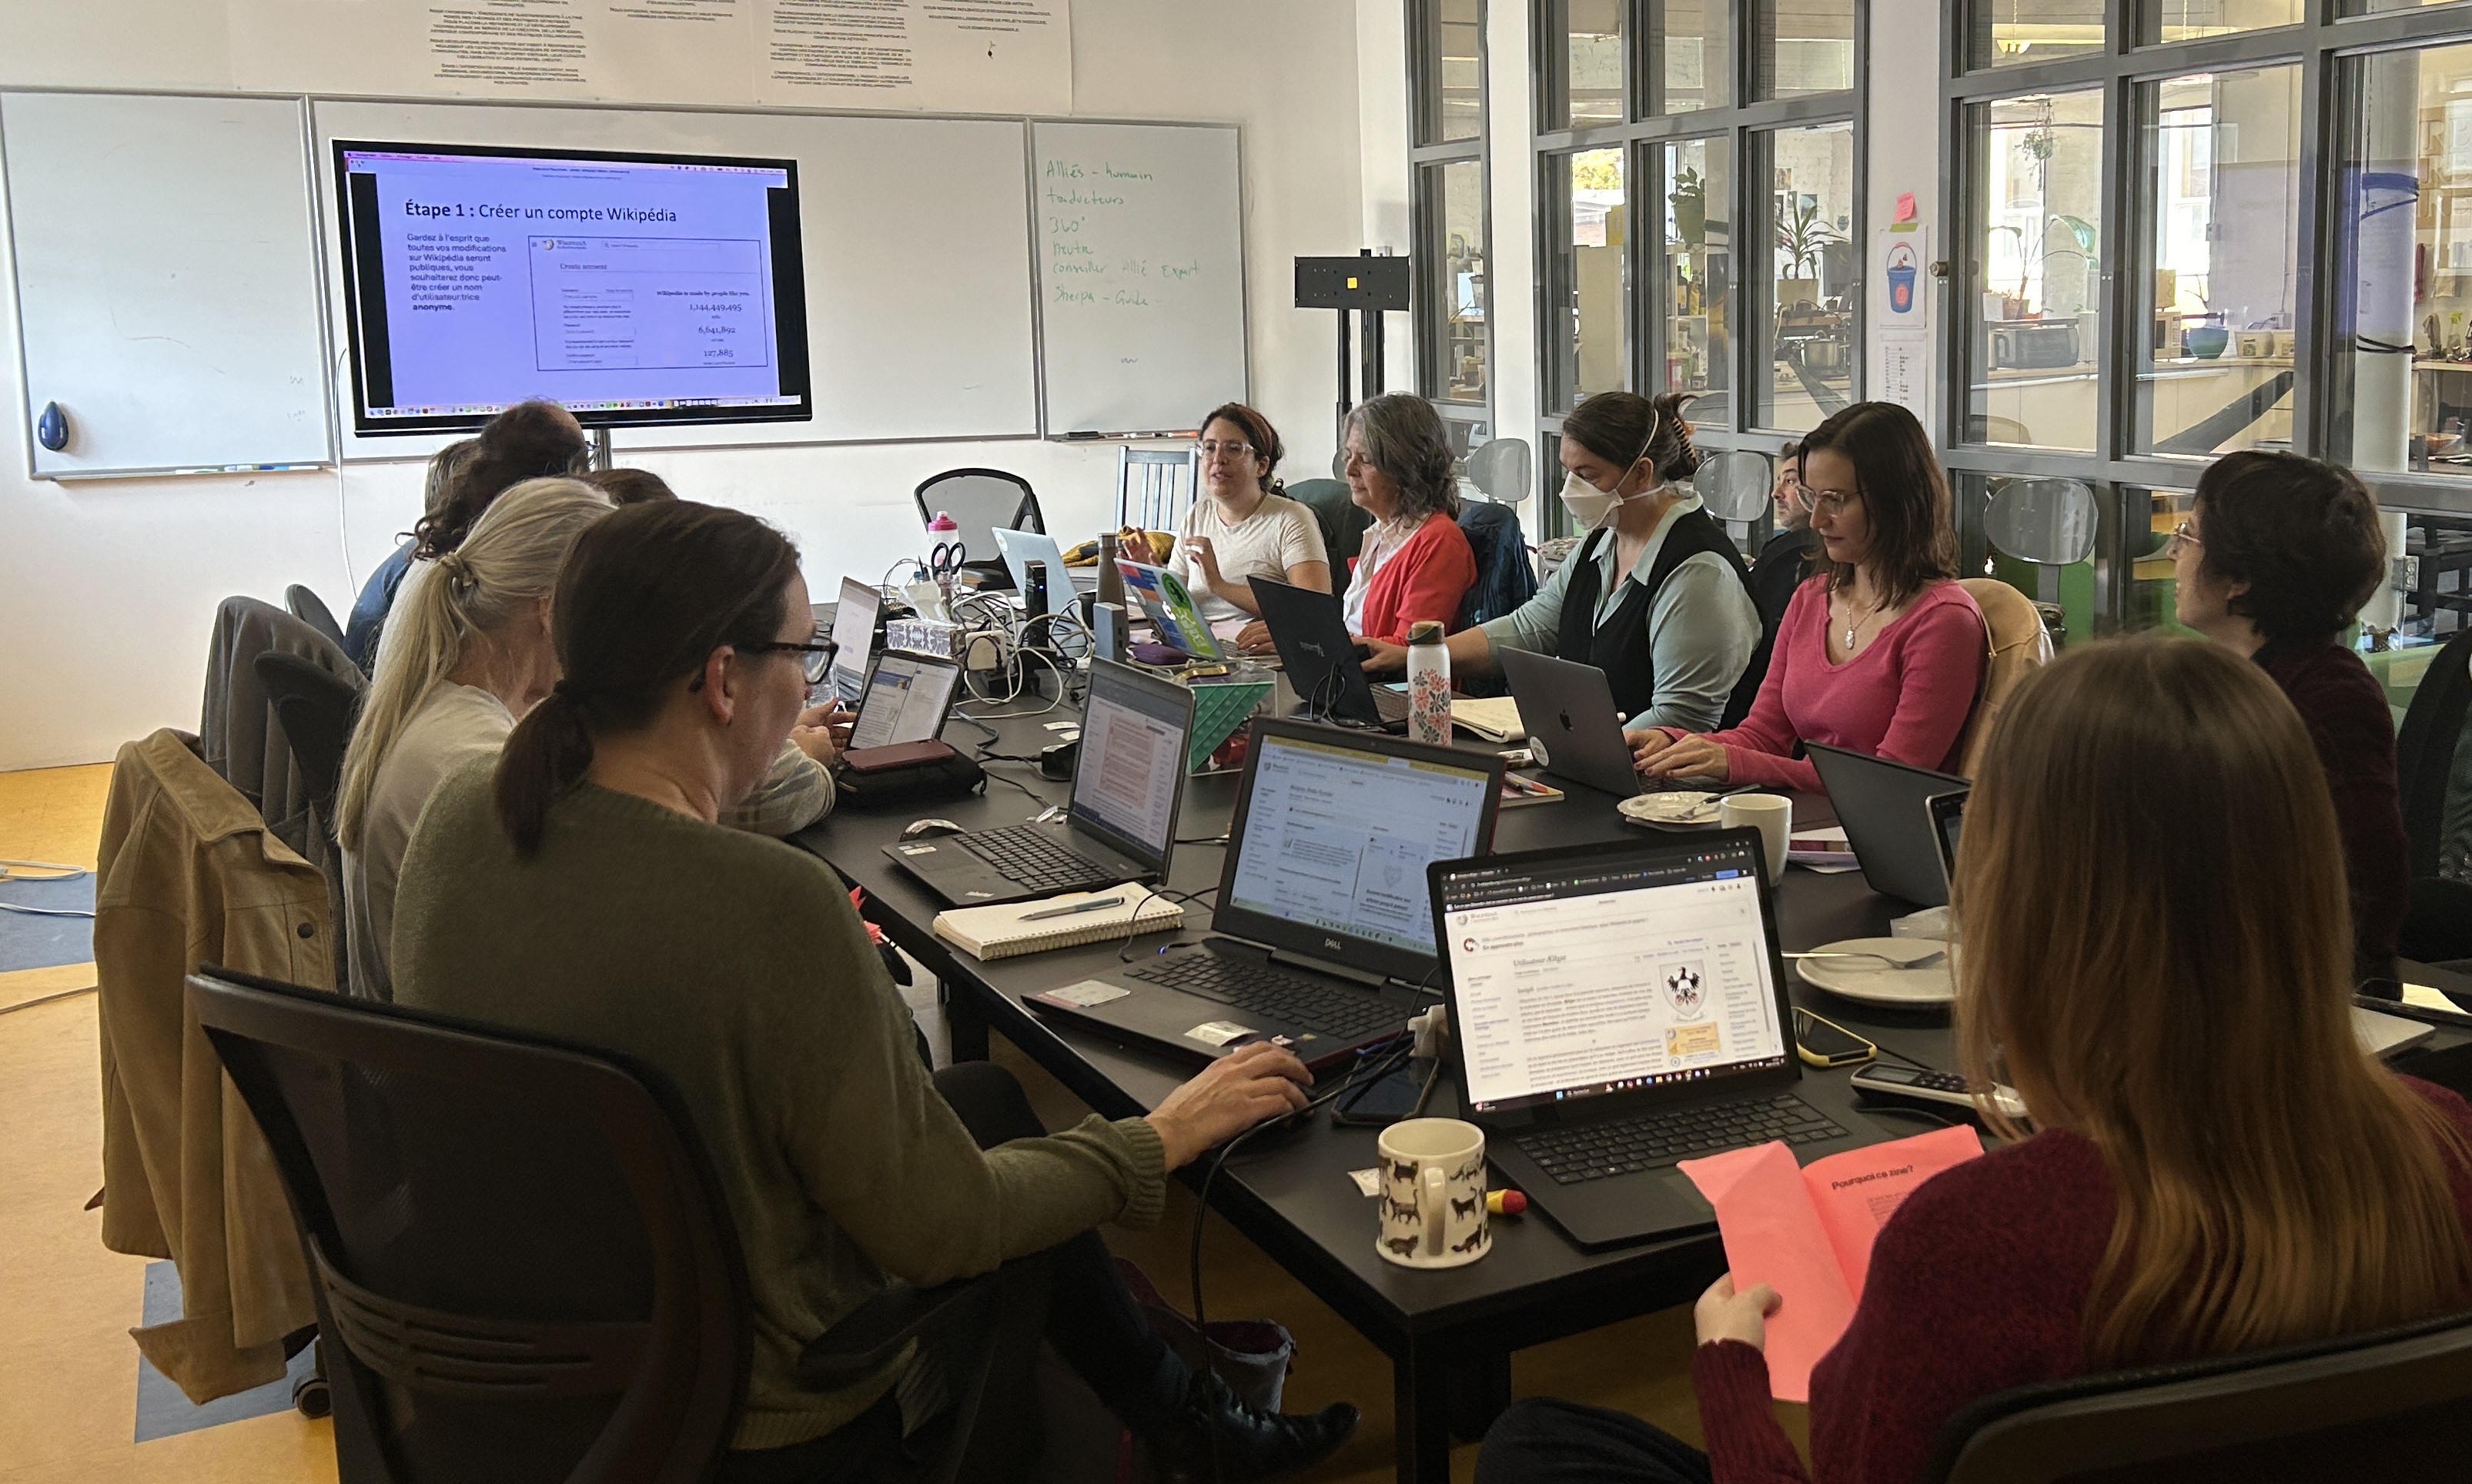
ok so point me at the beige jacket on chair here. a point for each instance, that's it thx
(2017, 645)
(191, 874)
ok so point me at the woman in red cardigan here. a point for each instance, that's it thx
(2215, 1168)
(1415, 563)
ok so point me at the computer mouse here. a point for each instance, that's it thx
(925, 829)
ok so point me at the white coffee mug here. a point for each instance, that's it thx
(1770, 813)
(1433, 1194)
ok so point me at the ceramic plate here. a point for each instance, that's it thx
(1684, 808)
(1873, 983)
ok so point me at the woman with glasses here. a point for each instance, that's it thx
(470, 657)
(1247, 527)
(1882, 651)
(1655, 595)
(1415, 563)
(2275, 559)
(2207, 1163)
(578, 889)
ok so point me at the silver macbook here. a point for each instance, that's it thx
(1568, 710)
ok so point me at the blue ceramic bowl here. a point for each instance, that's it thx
(2205, 341)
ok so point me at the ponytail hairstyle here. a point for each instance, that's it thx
(528, 440)
(646, 597)
(1259, 433)
(509, 563)
(1622, 427)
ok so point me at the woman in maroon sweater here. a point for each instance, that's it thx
(2168, 988)
(2275, 561)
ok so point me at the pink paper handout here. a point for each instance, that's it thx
(1807, 1232)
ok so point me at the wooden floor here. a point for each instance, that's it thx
(68, 1368)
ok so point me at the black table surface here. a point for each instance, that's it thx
(1291, 1191)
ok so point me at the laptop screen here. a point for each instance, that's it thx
(853, 638)
(1330, 846)
(1130, 771)
(906, 699)
(1580, 972)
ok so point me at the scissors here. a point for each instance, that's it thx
(943, 559)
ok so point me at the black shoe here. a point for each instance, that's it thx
(1215, 1439)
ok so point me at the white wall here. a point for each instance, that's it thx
(107, 590)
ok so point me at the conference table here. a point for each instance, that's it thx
(1449, 1334)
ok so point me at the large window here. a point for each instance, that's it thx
(1698, 220)
(1454, 350)
(2188, 228)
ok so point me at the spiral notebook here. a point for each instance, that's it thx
(1009, 928)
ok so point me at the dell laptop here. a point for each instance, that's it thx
(907, 699)
(1322, 939)
(1617, 1008)
(853, 642)
(1568, 710)
(1885, 810)
(1127, 781)
(1310, 629)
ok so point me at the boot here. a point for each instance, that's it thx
(1215, 1439)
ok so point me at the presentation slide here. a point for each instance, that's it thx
(1570, 995)
(639, 289)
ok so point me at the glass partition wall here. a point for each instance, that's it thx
(1453, 224)
(1698, 169)
(2187, 227)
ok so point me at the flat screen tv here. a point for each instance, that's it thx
(633, 288)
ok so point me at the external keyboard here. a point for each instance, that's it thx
(1624, 1146)
(1031, 856)
(1345, 1014)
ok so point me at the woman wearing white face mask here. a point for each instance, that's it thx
(1655, 595)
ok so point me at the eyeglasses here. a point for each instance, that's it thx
(2182, 535)
(1817, 502)
(815, 656)
(1212, 448)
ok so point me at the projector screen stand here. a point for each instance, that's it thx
(600, 447)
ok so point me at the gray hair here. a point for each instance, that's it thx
(1404, 438)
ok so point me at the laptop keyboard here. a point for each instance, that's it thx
(1031, 856)
(1339, 1013)
(1624, 1146)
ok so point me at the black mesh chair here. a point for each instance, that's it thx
(2388, 1405)
(525, 1269)
(315, 709)
(311, 609)
(982, 501)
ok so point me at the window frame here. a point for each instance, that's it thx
(2320, 45)
(1430, 296)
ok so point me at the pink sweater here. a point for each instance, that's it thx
(1905, 696)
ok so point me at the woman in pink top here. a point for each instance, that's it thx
(1882, 651)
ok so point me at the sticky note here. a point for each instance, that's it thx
(1906, 206)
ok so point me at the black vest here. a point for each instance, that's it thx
(1619, 646)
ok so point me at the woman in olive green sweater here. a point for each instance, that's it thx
(580, 887)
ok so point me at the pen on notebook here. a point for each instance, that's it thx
(1091, 905)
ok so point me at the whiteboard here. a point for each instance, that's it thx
(166, 278)
(917, 258)
(1141, 265)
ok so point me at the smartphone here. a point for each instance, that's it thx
(1824, 1043)
(1947, 815)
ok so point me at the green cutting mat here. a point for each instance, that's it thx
(1218, 711)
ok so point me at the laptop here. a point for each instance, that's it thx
(1169, 606)
(1617, 1008)
(1310, 631)
(1321, 939)
(1885, 810)
(1128, 780)
(853, 641)
(1567, 709)
(1020, 548)
(907, 699)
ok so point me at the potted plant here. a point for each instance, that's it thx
(1690, 205)
(1800, 236)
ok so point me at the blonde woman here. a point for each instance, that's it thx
(2215, 1167)
(468, 654)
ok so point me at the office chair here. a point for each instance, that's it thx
(525, 1268)
(2439, 927)
(1342, 521)
(315, 709)
(311, 609)
(981, 500)
(1155, 487)
(1501, 470)
(2388, 1405)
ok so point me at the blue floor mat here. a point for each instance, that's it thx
(163, 1411)
(30, 942)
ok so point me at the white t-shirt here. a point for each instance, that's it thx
(458, 723)
(1279, 535)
